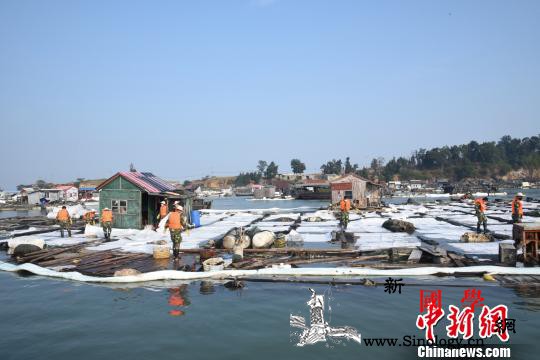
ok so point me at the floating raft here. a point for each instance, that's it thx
(99, 263)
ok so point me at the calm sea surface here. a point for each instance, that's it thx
(55, 319)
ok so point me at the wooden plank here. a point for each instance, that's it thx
(456, 259)
(415, 256)
(109, 263)
(433, 250)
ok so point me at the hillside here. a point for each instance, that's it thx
(509, 158)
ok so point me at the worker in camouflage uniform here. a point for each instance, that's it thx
(517, 208)
(106, 222)
(176, 224)
(480, 209)
(345, 207)
(64, 219)
(89, 217)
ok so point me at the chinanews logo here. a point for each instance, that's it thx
(491, 322)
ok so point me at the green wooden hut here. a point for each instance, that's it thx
(135, 197)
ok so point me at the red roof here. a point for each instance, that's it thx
(64, 187)
(145, 181)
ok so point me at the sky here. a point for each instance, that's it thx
(186, 89)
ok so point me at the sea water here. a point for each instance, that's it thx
(53, 319)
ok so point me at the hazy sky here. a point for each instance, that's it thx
(190, 88)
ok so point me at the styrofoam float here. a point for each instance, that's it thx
(263, 239)
(331, 272)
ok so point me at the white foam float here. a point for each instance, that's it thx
(221, 274)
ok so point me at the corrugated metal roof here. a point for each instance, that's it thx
(349, 177)
(145, 181)
(148, 181)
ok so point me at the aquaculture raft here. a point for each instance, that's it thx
(99, 263)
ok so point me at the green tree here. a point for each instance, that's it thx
(244, 179)
(42, 184)
(271, 171)
(78, 182)
(261, 166)
(332, 167)
(297, 166)
(349, 169)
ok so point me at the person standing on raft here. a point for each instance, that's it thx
(480, 209)
(163, 211)
(64, 219)
(176, 223)
(517, 208)
(345, 207)
(106, 222)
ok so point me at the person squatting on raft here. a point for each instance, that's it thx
(106, 222)
(480, 209)
(345, 207)
(64, 220)
(176, 223)
(89, 217)
(517, 208)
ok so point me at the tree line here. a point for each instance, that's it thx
(487, 159)
(457, 162)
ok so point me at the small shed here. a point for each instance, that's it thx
(362, 192)
(68, 192)
(134, 198)
(33, 197)
(52, 195)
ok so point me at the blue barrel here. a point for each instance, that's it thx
(196, 218)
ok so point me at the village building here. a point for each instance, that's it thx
(134, 198)
(29, 196)
(283, 186)
(312, 189)
(68, 193)
(362, 192)
(88, 189)
(247, 190)
(298, 177)
(306, 176)
(265, 192)
(417, 184)
(51, 195)
(394, 185)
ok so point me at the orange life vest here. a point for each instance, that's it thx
(519, 205)
(481, 204)
(106, 216)
(89, 215)
(175, 221)
(163, 210)
(63, 215)
(345, 205)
